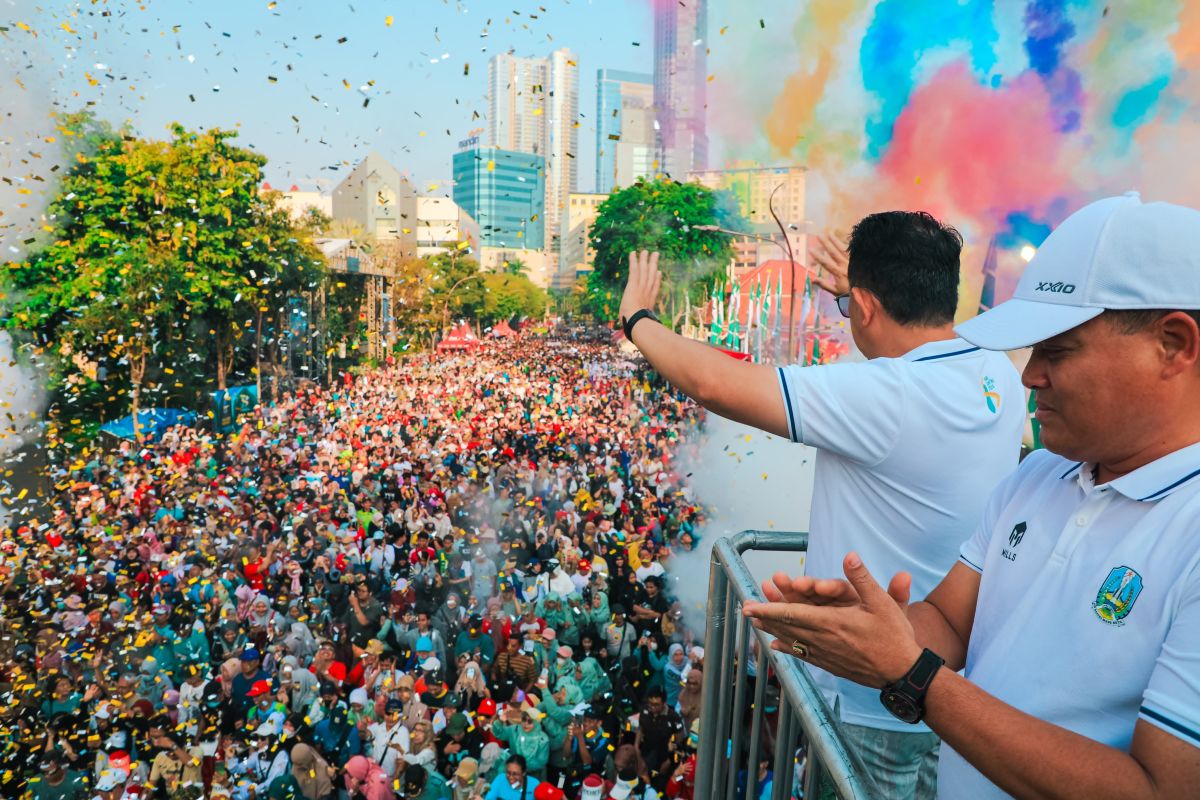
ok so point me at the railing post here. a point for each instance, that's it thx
(739, 706)
(803, 711)
(727, 666)
(756, 709)
(706, 757)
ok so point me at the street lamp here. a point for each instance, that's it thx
(450, 294)
(786, 247)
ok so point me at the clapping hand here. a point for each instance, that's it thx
(852, 628)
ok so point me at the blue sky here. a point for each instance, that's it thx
(211, 64)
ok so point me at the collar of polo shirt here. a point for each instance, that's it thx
(1154, 481)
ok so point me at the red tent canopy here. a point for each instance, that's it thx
(461, 338)
(503, 329)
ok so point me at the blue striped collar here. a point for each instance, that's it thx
(1153, 481)
(936, 351)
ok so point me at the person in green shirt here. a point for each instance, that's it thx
(55, 782)
(525, 737)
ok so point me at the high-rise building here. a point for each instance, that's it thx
(504, 192)
(624, 128)
(380, 200)
(680, 63)
(533, 105)
(517, 103)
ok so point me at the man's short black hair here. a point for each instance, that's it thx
(1134, 321)
(909, 261)
(518, 760)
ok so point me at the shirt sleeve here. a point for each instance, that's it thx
(973, 551)
(853, 410)
(1172, 699)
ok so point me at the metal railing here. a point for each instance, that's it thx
(805, 721)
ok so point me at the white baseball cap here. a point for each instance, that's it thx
(1116, 253)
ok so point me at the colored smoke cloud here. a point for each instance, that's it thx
(1000, 117)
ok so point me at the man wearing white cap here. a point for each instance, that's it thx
(1074, 610)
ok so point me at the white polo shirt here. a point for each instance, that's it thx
(910, 449)
(1089, 603)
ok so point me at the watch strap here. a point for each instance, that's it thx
(922, 672)
(634, 319)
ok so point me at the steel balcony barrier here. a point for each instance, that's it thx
(805, 731)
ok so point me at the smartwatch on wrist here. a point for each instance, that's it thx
(634, 319)
(905, 698)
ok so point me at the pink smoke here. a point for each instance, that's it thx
(963, 150)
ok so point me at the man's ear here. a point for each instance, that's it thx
(866, 303)
(1179, 338)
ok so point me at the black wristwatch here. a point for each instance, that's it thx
(638, 316)
(905, 698)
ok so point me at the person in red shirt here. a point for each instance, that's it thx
(255, 567)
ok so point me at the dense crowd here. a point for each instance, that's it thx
(445, 578)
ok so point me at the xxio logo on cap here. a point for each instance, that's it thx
(1117, 595)
(1058, 287)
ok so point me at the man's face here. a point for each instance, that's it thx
(656, 705)
(1089, 381)
(250, 667)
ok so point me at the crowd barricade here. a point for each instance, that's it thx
(805, 731)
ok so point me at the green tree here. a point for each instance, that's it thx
(516, 266)
(455, 287)
(666, 216)
(507, 296)
(158, 256)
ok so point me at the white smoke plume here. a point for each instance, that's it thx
(31, 159)
(748, 479)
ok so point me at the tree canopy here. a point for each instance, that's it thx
(160, 257)
(666, 216)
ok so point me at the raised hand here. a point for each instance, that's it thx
(833, 263)
(641, 290)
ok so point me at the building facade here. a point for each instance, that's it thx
(680, 83)
(380, 200)
(752, 187)
(504, 192)
(297, 202)
(624, 128)
(442, 226)
(577, 255)
(533, 105)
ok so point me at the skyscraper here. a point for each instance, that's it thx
(624, 128)
(680, 64)
(533, 104)
(504, 192)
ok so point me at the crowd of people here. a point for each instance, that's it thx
(444, 578)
